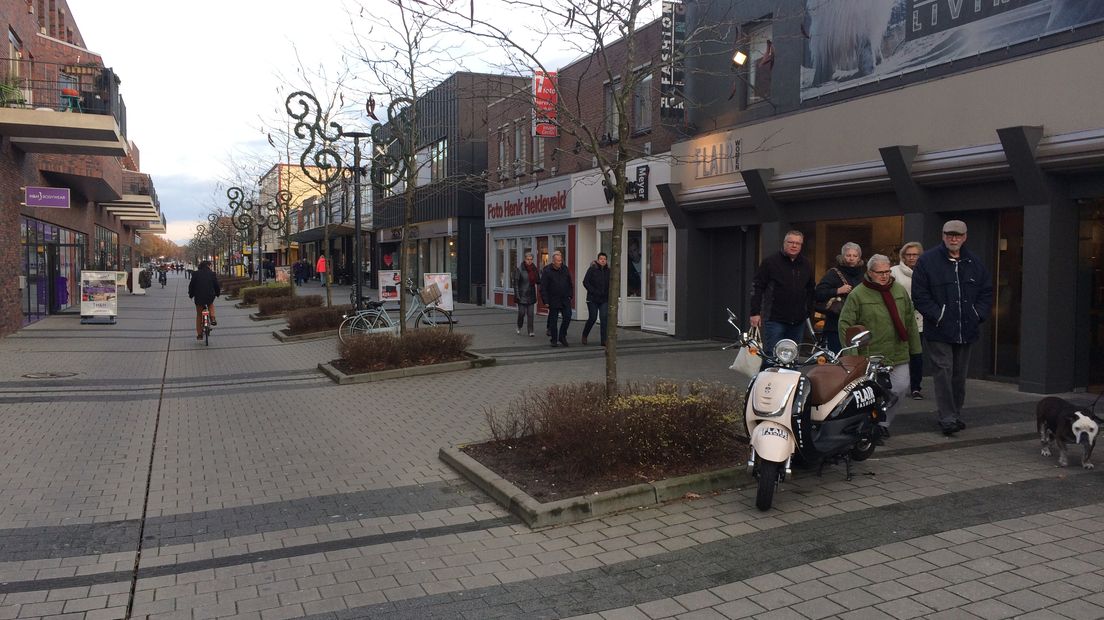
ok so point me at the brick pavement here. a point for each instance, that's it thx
(274, 493)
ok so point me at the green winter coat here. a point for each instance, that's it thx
(864, 306)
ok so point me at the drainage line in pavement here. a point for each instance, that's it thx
(149, 472)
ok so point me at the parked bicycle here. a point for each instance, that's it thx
(424, 310)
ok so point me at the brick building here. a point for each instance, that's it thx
(546, 194)
(63, 127)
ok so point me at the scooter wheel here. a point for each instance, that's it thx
(768, 481)
(863, 450)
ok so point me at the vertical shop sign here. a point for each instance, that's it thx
(545, 98)
(671, 78)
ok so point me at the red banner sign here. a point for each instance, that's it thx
(545, 98)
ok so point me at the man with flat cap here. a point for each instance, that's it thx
(954, 293)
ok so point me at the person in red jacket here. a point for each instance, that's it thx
(320, 267)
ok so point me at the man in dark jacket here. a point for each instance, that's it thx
(782, 293)
(597, 283)
(954, 293)
(204, 288)
(557, 289)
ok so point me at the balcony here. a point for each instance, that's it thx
(66, 109)
(138, 201)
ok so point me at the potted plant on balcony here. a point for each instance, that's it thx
(10, 92)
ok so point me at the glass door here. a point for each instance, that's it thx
(1090, 297)
(1008, 294)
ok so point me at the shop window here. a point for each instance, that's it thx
(500, 262)
(503, 150)
(657, 264)
(605, 242)
(543, 255)
(519, 148)
(634, 263)
(438, 160)
(538, 153)
(559, 244)
(760, 51)
(513, 259)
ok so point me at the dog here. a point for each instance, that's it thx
(1060, 422)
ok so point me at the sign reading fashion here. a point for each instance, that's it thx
(545, 98)
(716, 159)
(671, 78)
(530, 205)
(856, 43)
(50, 197)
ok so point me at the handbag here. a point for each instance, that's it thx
(747, 361)
(834, 305)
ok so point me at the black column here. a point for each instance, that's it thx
(1047, 334)
(774, 225)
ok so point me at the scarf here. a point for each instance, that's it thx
(532, 271)
(891, 305)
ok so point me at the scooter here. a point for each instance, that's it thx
(821, 409)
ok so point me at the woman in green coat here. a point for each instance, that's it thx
(883, 306)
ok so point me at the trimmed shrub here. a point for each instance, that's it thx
(278, 305)
(644, 426)
(307, 320)
(251, 294)
(419, 347)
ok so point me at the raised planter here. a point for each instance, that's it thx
(475, 361)
(256, 316)
(283, 336)
(536, 514)
(242, 306)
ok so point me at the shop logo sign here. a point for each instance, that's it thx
(49, 197)
(719, 158)
(532, 205)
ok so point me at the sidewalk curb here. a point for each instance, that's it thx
(283, 336)
(256, 316)
(476, 361)
(573, 509)
(243, 306)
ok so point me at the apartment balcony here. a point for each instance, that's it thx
(66, 109)
(138, 201)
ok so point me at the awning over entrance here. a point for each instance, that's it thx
(319, 233)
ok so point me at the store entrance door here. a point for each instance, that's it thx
(1089, 364)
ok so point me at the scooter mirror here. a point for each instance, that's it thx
(861, 339)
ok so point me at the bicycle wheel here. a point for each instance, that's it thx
(375, 320)
(348, 328)
(207, 335)
(434, 318)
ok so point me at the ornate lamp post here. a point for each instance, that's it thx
(244, 214)
(322, 163)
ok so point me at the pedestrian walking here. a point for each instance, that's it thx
(953, 290)
(297, 272)
(884, 307)
(597, 283)
(320, 268)
(526, 280)
(833, 289)
(782, 293)
(557, 290)
(902, 274)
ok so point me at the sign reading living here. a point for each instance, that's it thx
(531, 205)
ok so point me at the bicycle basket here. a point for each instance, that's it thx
(430, 293)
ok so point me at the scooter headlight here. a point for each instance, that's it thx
(785, 351)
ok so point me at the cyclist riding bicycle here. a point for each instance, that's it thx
(162, 276)
(204, 288)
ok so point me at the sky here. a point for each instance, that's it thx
(200, 79)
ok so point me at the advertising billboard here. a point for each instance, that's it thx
(545, 98)
(99, 294)
(854, 42)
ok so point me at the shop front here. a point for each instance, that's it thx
(52, 258)
(438, 249)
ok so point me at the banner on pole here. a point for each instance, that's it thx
(545, 98)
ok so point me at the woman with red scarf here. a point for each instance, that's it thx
(883, 306)
(526, 280)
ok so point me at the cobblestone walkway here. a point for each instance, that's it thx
(154, 476)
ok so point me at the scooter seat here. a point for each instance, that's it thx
(828, 379)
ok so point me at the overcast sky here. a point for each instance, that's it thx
(198, 76)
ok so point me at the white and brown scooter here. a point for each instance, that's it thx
(821, 409)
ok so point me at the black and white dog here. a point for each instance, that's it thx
(1060, 422)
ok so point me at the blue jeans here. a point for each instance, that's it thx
(558, 334)
(773, 331)
(599, 312)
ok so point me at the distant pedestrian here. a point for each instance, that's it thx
(952, 289)
(782, 293)
(837, 284)
(320, 267)
(557, 289)
(526, 280)
(882, 306)
(297, 272)
(902, 274)
(597, 283)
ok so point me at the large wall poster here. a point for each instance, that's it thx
(855, 42)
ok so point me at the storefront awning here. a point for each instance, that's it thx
(318, 233)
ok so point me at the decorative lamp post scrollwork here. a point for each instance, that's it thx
(322, 163)
(244, 214)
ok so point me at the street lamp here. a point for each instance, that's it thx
(269, 215)
(322, 163)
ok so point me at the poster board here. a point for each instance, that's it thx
(99, 294)
(390, 285)
(283, 274)
(444, 282)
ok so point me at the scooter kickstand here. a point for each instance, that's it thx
(820, 469)
(847, 465)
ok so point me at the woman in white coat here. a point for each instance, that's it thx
(902, 273)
